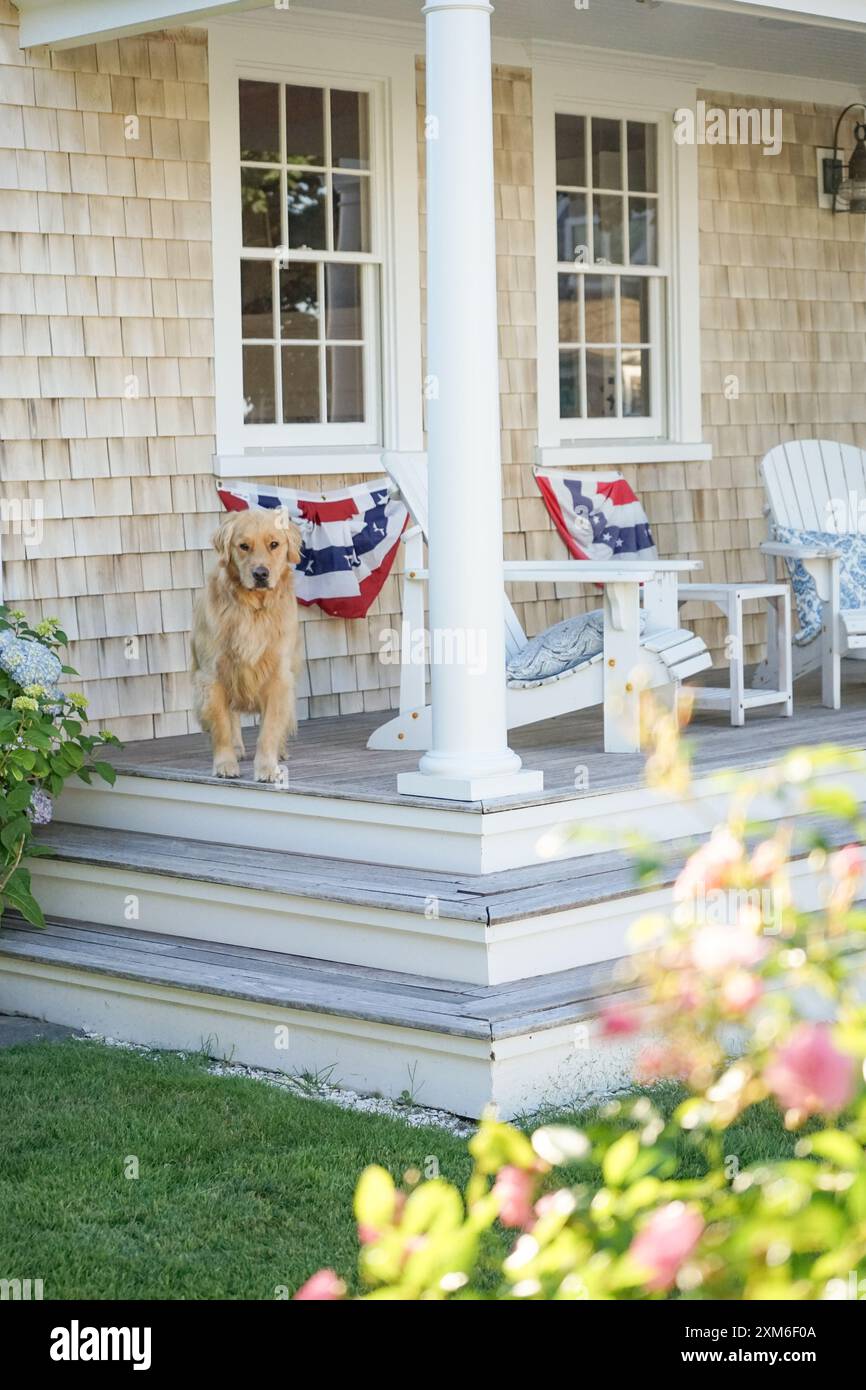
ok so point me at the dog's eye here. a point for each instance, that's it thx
(273, 545)
(243, 546)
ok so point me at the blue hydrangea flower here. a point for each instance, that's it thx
(28, 662)
(41, 807)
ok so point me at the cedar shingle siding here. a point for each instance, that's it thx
(106, 382)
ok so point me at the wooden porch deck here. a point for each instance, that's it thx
(330, 758)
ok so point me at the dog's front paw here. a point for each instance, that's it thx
(269, 770)
(226, 766)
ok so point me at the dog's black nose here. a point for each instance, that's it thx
(261, 574)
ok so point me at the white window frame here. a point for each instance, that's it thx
(675, 420)
(282, 52)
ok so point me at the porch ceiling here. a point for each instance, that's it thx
(721, 33)
(823, 39)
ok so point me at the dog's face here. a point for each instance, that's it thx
(258, 547)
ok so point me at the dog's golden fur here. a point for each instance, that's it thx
(246, 648)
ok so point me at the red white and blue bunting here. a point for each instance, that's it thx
(350, 538)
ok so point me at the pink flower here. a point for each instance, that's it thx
(848, 862)
(665, 1243)
(809, 1074)
(324, 1287)
(617, 1021)
(709, 866)
(658, 1060)
(514, 1189)
(716, 949)
(767, 860)
(740, 991)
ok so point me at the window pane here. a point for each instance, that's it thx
(257, 308)
(350, 137)
(260, 207)
(569, 384)
(299, 302)
(306, 195)
(642, 174)
(569, 309)
(600, 309)
(606, 153)
(642, 240)
(607, 213)
(571, 150)
(601, 383)
(260, 121)
(343, 317)
(260, 406)
(634, 309)
(305, 126)
(351, 213)
(571, 227)
(345, 384)
(635, 382)
(300, 385)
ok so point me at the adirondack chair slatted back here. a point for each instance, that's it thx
(815, 484)
(409, 473)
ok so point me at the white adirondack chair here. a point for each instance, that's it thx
(666, 653)
(810, 486)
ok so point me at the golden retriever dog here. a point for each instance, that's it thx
(246, 649)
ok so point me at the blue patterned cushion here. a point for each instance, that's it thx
(560, 650)
(852, 575)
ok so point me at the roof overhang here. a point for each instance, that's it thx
(66, 23)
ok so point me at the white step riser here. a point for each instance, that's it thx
(441, 948)
(406, 836)
(457, 1074)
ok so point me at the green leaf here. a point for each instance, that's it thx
(15, 831)
(19, 797)
(833, 801)
(838, 1147)
(17, 892)
(105, 771)
(375, 1198)
(620, 1158)
(73, 755)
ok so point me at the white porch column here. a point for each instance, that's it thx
(470, 757)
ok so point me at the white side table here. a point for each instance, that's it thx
(730, 599)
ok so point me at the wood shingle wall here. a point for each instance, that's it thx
(106, 377)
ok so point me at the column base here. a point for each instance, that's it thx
(479, 788)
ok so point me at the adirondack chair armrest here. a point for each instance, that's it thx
(788, 551)
(823, 565)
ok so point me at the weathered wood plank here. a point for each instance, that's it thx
(316, 986)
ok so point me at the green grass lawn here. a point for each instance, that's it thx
(242, 1187)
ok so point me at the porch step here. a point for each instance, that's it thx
(373, 1030)
(480, 929)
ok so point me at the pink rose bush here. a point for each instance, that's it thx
(742, 1000)
(664, 1244)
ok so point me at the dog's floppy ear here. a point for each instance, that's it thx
(294, 540)
(223, 536)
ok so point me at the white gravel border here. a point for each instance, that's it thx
(415, 1116)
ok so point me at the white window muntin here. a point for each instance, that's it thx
(616, 424)
(360, 433)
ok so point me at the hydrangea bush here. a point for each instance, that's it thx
(42, 744)
(742, 998)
